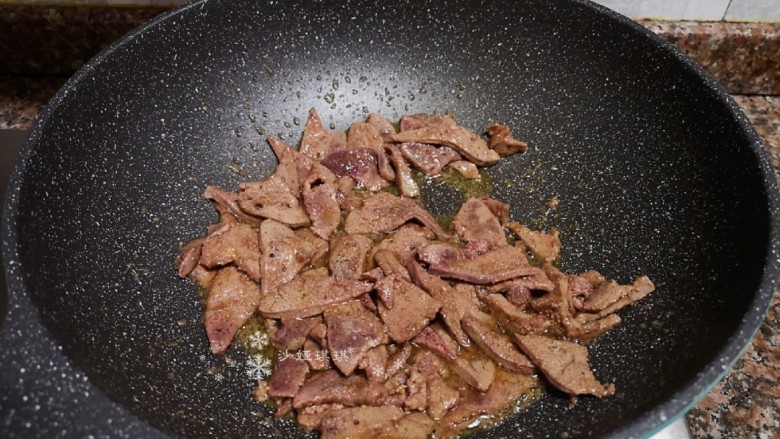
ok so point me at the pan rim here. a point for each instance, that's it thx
(651, 421)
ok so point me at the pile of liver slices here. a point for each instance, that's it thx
(385, 324)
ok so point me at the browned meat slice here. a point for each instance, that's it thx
(438, 342)
(545, 246)
(441, 397)
(374, 363)
(382, 125)
(497, 346)
(320, 246)
(232, 299)
(467, 169)
(391, 265)
(605, 294)
(363, 135)
(315, 355)
(428, 159)
(362, 164)
(319, 334)
(496, 265)
(284, 254)
(513, 318)
(408, 123)
(417, 390)
(273, 199)
(384, 212)
(499, 209)
(502, 142)
(348, 255)
(475, 221)
(564, 363)
(372, 275)
(189, 257)
(640, 288)
(404, 242)
(375, 423)
(508, 388)
(331, 387)
(478, 373)
(317, 142)
(352, 331)
(292, 332)
(260, 393)
(203, 276)
(287, 155)
(309, 294)
(288, 376)
(233, 243)
(397, 359)
(229, 202)
(310, 418)
(455, 304)
(537, 282)
(403, 175)
(444, 131)
(412, 308)
(320, 198)
(593, 328)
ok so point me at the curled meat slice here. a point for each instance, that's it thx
(403, 175)
(404, 242)
(564, 363)
(362, 164)
(309, 294)
(545, 246)
(317, 142)
(375, 422)
(467, 169)
(284, 254)
(479, 373)
(348, 255)
(497, 346)
(502, 142)
(189, 257)
(428, 159)
(475, 221)
(442, 130)
(384, 212)
(438, 342)
(382, 125)
(496, 265)
(292, 333)
(233, 243)
(232, 299)
(352, 331)
(229, 202)
(289, 374)
(332, 387)
(515, 319)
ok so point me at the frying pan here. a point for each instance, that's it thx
(656, 171)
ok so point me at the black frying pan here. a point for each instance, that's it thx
(656, 170)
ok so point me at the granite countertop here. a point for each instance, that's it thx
(742, 56)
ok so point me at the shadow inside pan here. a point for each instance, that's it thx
(654, 172)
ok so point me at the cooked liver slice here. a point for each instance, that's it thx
(513, 318)
(496, 265)
(454, 305)
(502, 142)
(404, 242)
(231, 300)
(475, 221)
(478, 373)
(284, 254)
(292, 332)
(315, 355)
(564, 363)
(310, 418)
(317, 141)
(288, 376)
(412, 308)
(362, 164)
(374, 363)
(320, 198)
(382, 125)
(438, 342)
(233, 243)
(272, 198)
(441, 397)
(403, 175)
(467, 169)
(352, 331)
(188, 257)
(331, 387)
(545, 246)
(428, 159)
(497, 346)
(385, 212)
(374, 423)
(442, 130)
(309, 294)
(348, 255)
(228, 201)
(389, 264)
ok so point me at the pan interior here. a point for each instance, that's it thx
(654, 173)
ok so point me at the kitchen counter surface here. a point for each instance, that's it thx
(743, 57)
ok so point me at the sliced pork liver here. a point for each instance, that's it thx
(362, 164)
(428, 159)
(320, 198)
(497, 346)
(502, 142)
(545, 246)
(189, 257)
(309, 294)
(403, 175)
(412, 308)
(228, 201)
(332, 387)
(375, 422)
(513, 318)
(232, 299)
(233, 243)
(496, 265)
(352, 331)
(442, 130)
(348, 255)
(317, 141)
(292, 332)
(384, 212)
(564, 363)
(284, 254)
(382, 125)
(288, 376)
(475, 221)
(479, 373)
(405, 242)
(272, 198)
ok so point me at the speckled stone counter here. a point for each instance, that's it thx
(743, 57)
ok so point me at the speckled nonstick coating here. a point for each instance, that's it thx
(656, 170)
